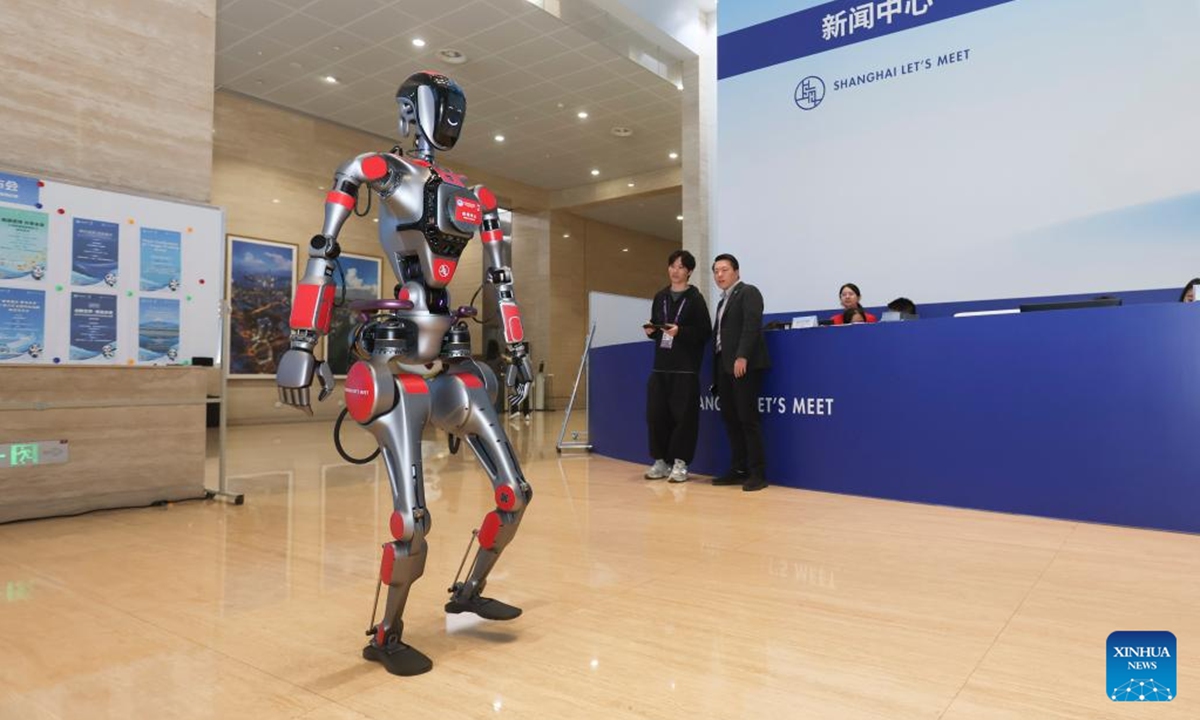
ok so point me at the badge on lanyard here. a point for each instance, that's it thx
(666, 341)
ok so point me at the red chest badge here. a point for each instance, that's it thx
(467, 211)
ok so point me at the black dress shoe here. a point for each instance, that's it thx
(754, 483)
(731, 478)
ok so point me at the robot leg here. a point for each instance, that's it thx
(461, 405)
(398, 432)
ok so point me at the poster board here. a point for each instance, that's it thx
(261, 283)
(96, 277)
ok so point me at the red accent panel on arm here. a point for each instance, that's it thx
(513, 330)
(487, 533)
(506, 499)
(487, 198)
(374, 167)
(471, 381)
(360, 392)
(341, 198)
(387, 564)
(312, 308)
(491, 236)
(413, 384)
(396, 525)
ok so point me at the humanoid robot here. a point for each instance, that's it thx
(414, 351)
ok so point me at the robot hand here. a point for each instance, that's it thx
(519, 376)
(295, 376)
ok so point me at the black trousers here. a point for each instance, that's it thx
(739, 411)
(673, 415)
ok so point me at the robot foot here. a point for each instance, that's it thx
(486, 608)
(398, 658)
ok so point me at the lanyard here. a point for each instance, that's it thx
(677, 312)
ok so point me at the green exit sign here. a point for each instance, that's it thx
(32, 454)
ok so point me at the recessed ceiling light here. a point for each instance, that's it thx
(679, 85)
(375, 220)
(624, 249)
(582, 115)
(331, 80)
(566, 235)
(595, 171)
(275, 200)
(630, 184)
(561, 106)
(673, 155)
(418, 42)
(337, 47)
(452, 56)
(499, 138)
(678, 217)
(621, 131)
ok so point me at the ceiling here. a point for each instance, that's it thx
(655, 214)
(527, 76)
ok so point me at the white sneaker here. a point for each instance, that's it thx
(679, 473)
(658, 470)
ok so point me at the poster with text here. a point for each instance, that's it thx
(23, 240)
(161, 262)
(261, 281)
(94, 252)
(361, 283)
(158, 329)
(22, 325)
(93, 327)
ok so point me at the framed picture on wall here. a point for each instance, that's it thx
(261, 282)
(362, 282)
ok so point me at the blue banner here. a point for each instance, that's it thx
(93, 326)
(20, 190)
(161, 261)
(23, 244)
(94, 252)
(158, 329)
(22, 324)
(829, 26)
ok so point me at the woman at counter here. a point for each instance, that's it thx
(851, 302)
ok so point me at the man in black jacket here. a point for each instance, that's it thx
(741, 358)
(679, 328)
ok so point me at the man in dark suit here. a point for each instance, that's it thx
(741, 358)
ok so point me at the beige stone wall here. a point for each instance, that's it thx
(110, 94)
(594, 258)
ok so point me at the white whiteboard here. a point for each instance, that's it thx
(618, 318)
(197, 295)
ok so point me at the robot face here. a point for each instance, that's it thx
(173, 285)
(34, 350)
(172, 354)
(108, 351)
(38, 272)
(110, 279)
(436, 104)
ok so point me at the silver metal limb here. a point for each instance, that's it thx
(575, 444)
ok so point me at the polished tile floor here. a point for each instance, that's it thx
(642, 600)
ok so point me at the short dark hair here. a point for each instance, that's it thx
(689, 260)
(903, 305)
(1191, 283)
(727, 257)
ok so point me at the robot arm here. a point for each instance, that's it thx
(312, 307)
(519, 376)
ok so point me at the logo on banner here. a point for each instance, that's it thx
(810, 92)
(1142, 666)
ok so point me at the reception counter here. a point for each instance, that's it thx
(1090, 414)
(128, 436)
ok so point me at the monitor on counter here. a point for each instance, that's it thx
(1072, 304)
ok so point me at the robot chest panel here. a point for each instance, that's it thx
(452, 209)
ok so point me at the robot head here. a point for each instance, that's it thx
(435, 105)
(110, 279)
